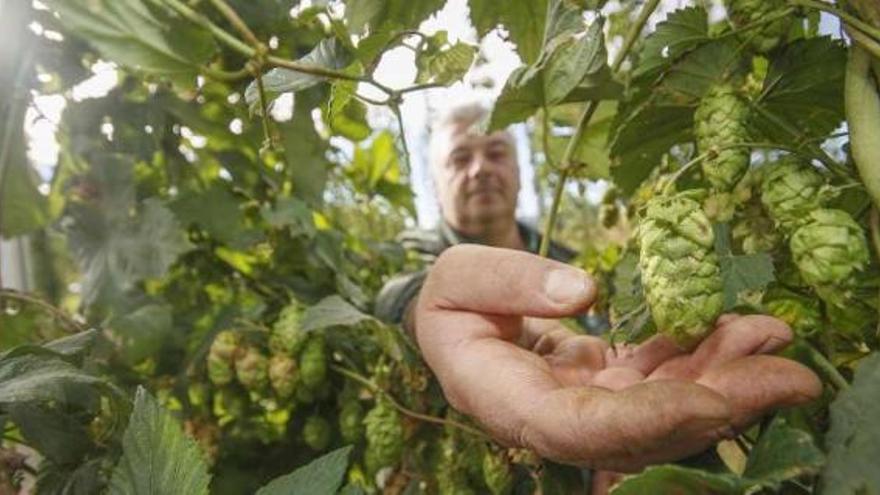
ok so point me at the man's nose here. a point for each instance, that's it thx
(479, 166)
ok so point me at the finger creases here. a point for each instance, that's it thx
(500, 281)
(628, 429)
(755, 385)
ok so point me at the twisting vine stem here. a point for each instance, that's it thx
(57, 313)
(566, 166)
(403, 409)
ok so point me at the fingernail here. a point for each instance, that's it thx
(568, 286)
(725, 433)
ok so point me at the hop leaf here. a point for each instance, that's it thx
(680, 270)
(496, 473)
(829, 249)
(317, 433)
(351, 421)
(287, 337)
(313, 362)
(766, 36)
(791, 189)
(720, 122)
(252, 369)
(384, 432)
(283, 375)
(221, 357)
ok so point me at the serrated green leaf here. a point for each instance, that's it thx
(645, 135)
(853, 442)
(157, 456)
(524, 20)
(574, 60)
(332, 311)
(740, 272)
(133, 35)
(782, 453)
(679, 480)
(445, 65)
(291, 213)
(304, 156)
(141, 333)
(41, 378)
(803, 92)
(114, 248)
(322, 476)
(682, 31)
(56, 435)
(218, 212)
(521, 97)
(328, 54)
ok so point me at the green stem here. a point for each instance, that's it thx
(226, 76)
(825, 366)
(687, 166)
(545, 135)
(191, 15)
(409, 412)
(264, 107)
(629, 41)
(396, 109)
(844, 16)
(23, 297)
(874, 223)
(863, 40)
(237, 22)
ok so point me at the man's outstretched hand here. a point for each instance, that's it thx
(484, 323)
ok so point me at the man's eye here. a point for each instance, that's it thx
(496, 155)
(461, 160)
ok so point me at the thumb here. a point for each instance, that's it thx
(505, 282)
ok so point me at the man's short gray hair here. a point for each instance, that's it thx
(460, 116)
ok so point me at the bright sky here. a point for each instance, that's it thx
(397, 70)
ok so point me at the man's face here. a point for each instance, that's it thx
(477, 178)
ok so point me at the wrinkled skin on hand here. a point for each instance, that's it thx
(483, 322)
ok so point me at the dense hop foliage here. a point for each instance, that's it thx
(205, 266)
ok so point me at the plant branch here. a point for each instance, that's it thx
(237, 22)
(844, 16)
(825, 366)
(687, 166)
(629, 41)
(409, 412)
(395, 107)
(19, 296)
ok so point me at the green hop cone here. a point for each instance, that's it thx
(287, 338)
(228, 405)
(720, 122)
(221, 357)
(801, 313)
(680, 271)
(351, 421)
(764, 37)
(497, 473)
(316, 433)
(313, 362)
(252, 369)
(829, 250)
(384, 433)
(790, 190)
(283, 375)
(451, 476)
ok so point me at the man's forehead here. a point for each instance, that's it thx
(467, 139)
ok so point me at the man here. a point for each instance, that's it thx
(485, 319)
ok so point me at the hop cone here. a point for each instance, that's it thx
(766, 36)
(800, 313)
(384, 432)
(283, 375)
(829, 249)
(791, 189)
(286, 337)
(317, 433)
(351, 421)
(451, 477)
(720, 121)
(680, 270)
(313, 362)
(252, 369)
(221, 357)
(496, 473)
(754, 231)
(228, 405)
